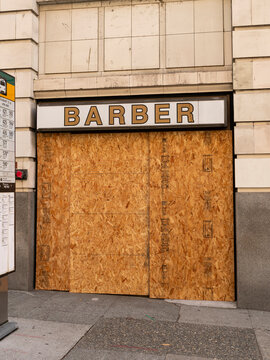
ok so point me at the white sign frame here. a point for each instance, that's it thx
(134, 113)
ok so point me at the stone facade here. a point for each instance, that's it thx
(19, 57)
(251, 78)
(134, 47)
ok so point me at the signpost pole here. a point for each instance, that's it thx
(3, 300)
(6, 327)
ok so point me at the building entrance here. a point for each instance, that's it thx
(147, 213)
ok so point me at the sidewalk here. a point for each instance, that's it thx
(60, 325)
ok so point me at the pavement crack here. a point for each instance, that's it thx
(254, 329)
(110, 306)
(86, 332)
(179, 315)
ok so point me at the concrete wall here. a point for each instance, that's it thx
(253, 250)
(251, 81)
(19, 57)
(23, 278)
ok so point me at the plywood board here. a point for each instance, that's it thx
(109, 228)
(102, 197)
(109, 213)
(109, 153)
(109, 193)
(191, 215)
(53, 190)
(109, 274)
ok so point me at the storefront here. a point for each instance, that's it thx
(135, 196)
(126, 191)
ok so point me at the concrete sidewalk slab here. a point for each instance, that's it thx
(205, 303)
(60, 306)
(78, 316)
(73, 309)
(130, 327)
(21, 303)
(181, 357)
(160, 337)
(96, 300)
(83, 354)
(263, 338)
(143, 308)
(260, 319)
(214, 316)
(92, 354)
(40, 340)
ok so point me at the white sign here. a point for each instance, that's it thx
(133, 114)
(7, 173)
(7, 141)
(7, 263)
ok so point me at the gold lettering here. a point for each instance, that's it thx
(185, 110)
(139, 114)
(116, 111)
(93, 116)
(71, 116)
(159, 111)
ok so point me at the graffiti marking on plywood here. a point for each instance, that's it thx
(207, 163)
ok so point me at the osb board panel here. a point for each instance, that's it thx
(191, 215)
(103, 181)
(106, 153)
(110, 193)
(113, 234)
(111, 274)
(53, 198)
(112, 169)
(109, 196)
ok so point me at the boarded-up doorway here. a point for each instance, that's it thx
(136, 213)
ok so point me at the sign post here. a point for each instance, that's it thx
(7, 195)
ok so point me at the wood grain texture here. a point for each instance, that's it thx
(191, 216)
(109, 153)
(102, 197)
(109, 274)
(110, 193)
(119, 234)
(109, 213)
(53, 221)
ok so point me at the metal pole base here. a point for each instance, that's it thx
(7, 329)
